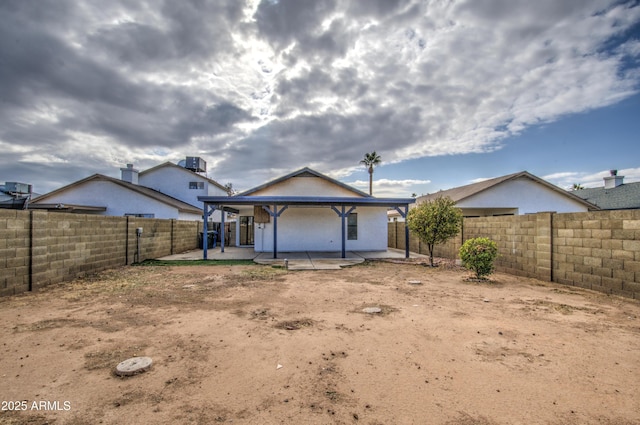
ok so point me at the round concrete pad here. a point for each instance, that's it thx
(133, 365)
(372, 310)
(415, 282)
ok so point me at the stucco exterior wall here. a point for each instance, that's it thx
(525, 195)
(118, 200)
(174, 181)
(319, 229)
(305, 186)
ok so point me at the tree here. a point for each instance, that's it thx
(577, 186)
(229, 188)
(370, 160)
(435, 222)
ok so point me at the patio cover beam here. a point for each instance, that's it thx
(305, 200)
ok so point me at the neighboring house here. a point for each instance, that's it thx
(160, 192)
(180, 182)
(308, 211)
(513, 194)
(103, 195)
(615, 195)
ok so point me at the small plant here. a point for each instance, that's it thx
(478, 255)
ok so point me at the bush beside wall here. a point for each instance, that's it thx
(597, 250)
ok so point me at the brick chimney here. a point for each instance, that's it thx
(129, 174)
(614, 180)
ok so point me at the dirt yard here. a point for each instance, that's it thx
(259, 345)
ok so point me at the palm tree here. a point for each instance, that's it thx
(370, 160)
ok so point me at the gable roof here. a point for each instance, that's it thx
(625, 196)
(171, 164)
(142, 190)
(304, 172)
(460, 193)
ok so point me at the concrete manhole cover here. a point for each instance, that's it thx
(372, 310)
(133, 366)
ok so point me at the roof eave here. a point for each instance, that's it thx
(305, 200)
(298, 172)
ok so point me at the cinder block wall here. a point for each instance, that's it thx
(396, 238)
(596, 250)
(15, 228)
(39, 248)
(67, 245)
(184, 236)
(524, 242)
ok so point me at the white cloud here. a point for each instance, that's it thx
(389, 188)
(280, 85)
(567, 179)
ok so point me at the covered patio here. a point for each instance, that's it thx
(276, 205)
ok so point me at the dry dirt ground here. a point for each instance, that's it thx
(252, 344)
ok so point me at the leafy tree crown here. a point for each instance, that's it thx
(435, 221)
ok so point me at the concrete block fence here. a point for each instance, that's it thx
(596, 250)
(39, 248)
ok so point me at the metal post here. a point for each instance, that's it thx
(406, 232)
(344, 236)
(205, 228)
(204, 231)
(343, 215)
(222, 229)
(275, 231)
(406, 228)
(275, 214)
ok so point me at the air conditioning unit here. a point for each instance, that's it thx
(195, 163)
(17, 188)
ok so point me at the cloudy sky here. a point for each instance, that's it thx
(446, 92)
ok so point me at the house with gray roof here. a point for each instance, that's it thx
(166, 191)
(614, 195)
(513, 194)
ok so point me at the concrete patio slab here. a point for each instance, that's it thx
(307, 260)
(230, 253)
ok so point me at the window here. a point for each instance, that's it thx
(196, 185)
(139, 215)
(352, 227)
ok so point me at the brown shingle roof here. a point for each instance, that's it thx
(460, 193)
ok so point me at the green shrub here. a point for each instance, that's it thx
(478, 255)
